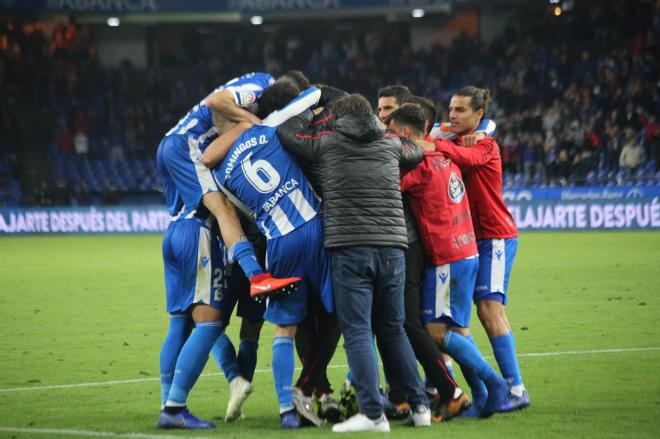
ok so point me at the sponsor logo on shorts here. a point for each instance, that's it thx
(205, 261)
(443, 277)
(499, 254)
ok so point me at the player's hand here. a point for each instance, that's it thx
(252, 119)
(245, 125)
(330, 94)
(472, 139)
(318, 110)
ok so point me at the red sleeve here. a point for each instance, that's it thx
(411, 179)
(472, 156)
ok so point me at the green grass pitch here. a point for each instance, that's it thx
(89, 310)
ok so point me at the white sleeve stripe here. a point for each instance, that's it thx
(245, 87)
(304, 208)
(307, 99)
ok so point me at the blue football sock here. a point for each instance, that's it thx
(243, 252)
(349, 376)
(180, 327)
(469, 357)
(225, 356)
(283, 371)
(192, 360)
(477, 386)
(247, 358)
(504, 348)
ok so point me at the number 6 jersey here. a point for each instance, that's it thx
(262, 175)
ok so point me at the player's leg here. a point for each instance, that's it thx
(247, 349)
(251, 313)
(202, 255)
(286, 258)
(307, 345)
(242, 251)
(395, 349)
(181, 323)
(453, 284)
(324, 326)
(197, 187)
(181, 326)
(242, 366)
(426, 351)
(329, 334)
(233, 365)
(496, 258)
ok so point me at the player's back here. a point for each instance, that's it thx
(263, 176)
(198, 124)
(439, 201)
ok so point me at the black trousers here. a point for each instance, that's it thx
(426, 350)
(316, 341)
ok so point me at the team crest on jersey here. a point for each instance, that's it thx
(247, 97)
(456, 188)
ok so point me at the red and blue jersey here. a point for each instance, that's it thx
(437, 197)
(481, 165)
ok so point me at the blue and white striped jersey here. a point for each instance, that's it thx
(198, 122)
(443, 130)
(266, 179)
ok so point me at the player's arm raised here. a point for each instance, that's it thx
(224, 102)
(218, 149)
(474, 156)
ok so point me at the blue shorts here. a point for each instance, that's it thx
(195, 265)
(447, 292)
(496, 258)
(299, 253)
(183, 161)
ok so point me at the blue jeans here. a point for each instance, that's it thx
(368, 286)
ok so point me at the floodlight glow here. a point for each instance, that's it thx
(557, 11)
(418, 13)
(554, 2)
(113, 21)
(256, 20)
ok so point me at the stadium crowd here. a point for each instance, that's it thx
(576, 97)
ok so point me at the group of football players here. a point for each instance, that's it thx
(248, 198)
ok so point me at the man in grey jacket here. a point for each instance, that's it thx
(366, 234)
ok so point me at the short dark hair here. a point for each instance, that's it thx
(409, 115)
(399, 92)
(275, 97)
(479, 97)
(428, 109)
(298, 78)
(351, 104)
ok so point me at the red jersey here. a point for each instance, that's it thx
(437, 197)
(482, 167)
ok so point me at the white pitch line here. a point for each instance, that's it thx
(90, 433)
(334, 366)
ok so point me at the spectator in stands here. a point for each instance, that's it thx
(632, 154)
